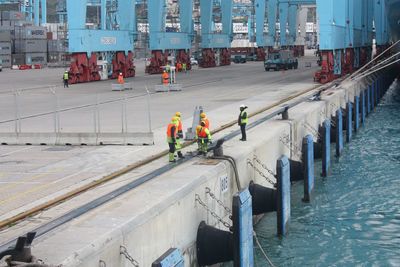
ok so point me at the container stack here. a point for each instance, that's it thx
(57, 52)
(5, 49)
(30, 45)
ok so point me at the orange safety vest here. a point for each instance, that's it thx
(165, 77)
(169, 130)
(120, 79)
(202, 133)
(207, 122)
(180, 126)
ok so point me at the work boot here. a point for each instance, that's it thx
(171, 157)
(180, 155)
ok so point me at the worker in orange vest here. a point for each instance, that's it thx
(165, 78)
(179, 136)
(203, 117)
(203, 137)
(121, 78)
(171, 138)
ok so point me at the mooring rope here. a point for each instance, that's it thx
(262, 250)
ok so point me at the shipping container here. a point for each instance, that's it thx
(12, 16)
(5, 36)
(18, 59)
(30, 32)
(5, 61)
(30, 46)
(54, 57)
(5, 48)
(35, 58)
(57, 45)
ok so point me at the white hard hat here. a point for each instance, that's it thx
(120, 73)
(242, 106)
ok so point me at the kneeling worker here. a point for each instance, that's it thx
(203, 137)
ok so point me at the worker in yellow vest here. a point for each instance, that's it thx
(171, 138)
(242, 121)
(203, 137)
(179, 136)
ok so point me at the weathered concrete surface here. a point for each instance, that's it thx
(32, 175)
(163, 213)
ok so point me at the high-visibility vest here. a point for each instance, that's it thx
(204, 133)
(245, 120)
(207, 122)
(65, 77)
(165, 77)
(169, 132)
(120, 79)
(180, 126)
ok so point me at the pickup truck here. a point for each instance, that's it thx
(281, 60)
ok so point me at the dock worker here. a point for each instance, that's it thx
(65, 78)
(121, 78)
(242, 121)
(165, 77)
(203, 117)
(184, 67)
(179, 135)
(171, 138)
(203, 137)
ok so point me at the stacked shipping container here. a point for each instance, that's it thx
(30, 45)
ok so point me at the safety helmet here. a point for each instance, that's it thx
(178, 114)
(198, 128)
(120, 73)
(174, 119)
(242, 106)
(202, 115)
(66, 71)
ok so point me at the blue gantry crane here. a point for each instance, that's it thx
(287, 11)
(215, 43)
(105, 49)
(33, 10)
(173, 39)
(346, 34)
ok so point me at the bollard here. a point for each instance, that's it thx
(356, 113)
(308, 165)
(349, 122)
(283, 188)
(362, 107)
(339, 132)
(326, 148)
(242, 217)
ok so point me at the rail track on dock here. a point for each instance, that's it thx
(279, 107)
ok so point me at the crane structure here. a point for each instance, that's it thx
(171, 33)
(106, 48)
(215, 42)
(34, 10)
(346, 35)
(290, 16)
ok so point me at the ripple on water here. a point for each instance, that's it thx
(354, 218)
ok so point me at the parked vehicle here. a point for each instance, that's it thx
(239, 59)
(281, 60)
(193, 62)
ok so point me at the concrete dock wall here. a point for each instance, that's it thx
(164, 213)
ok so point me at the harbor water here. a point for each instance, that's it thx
(354, 216)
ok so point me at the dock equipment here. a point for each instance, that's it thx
(107, 45)
(215, 43)
(32, 10)
(165, 41)
(346, 35)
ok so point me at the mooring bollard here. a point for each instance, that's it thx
(356, 113)
(308, 165)
(339, 132)
(349, 122)
(326, 148)
(283, 190)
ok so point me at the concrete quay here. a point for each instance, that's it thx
(163, 212)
